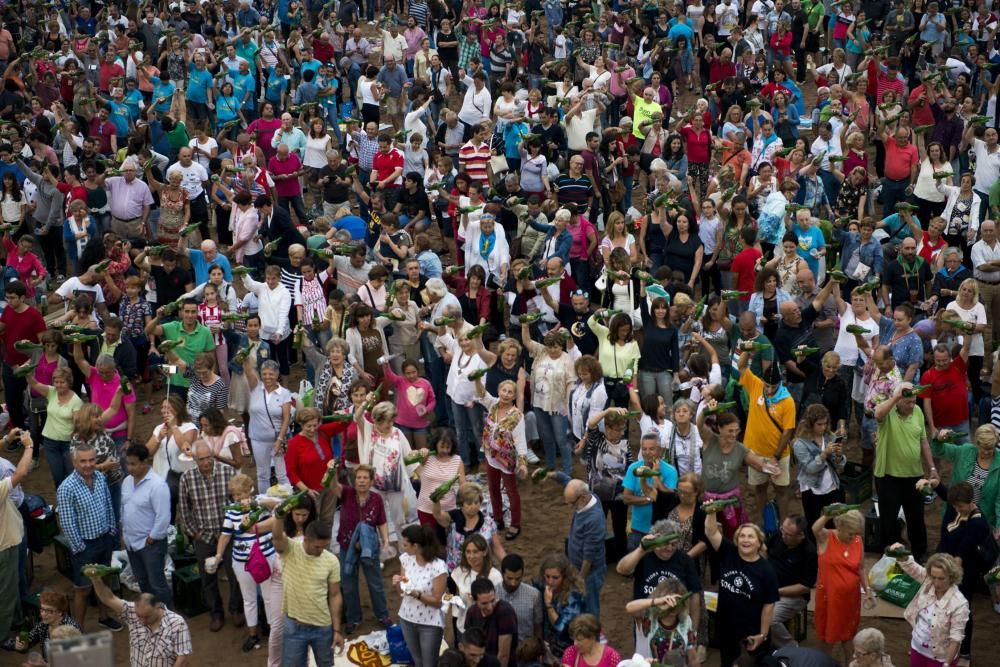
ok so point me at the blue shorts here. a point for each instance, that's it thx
(96, 551)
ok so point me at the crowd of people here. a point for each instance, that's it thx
(370, 266)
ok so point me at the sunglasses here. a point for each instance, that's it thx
(579, 292)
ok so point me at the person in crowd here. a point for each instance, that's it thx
(937, 637)
(793, 556)
(306, 461)
(227, 441)
(841, 579)
(869, 649)
(901, 453)
(559, 583)
(11, 495)
(383, 446)
(62, 403)
(524, 599)
(496, 618)
(664, 627)
(362, 536)
(202, 496)
(821, 462)
(145, 516)
(170, 445)
(54, 610)
(423, 583)
(648, 493)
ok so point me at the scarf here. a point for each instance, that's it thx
(487, 243)
(781, 394)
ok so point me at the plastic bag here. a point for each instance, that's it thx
(901, 589)
(398, 651)
(881, 573)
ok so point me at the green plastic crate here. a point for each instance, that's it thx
(187, 591)
(856, 481)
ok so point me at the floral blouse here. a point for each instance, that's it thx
(133, 317)
(503, 439)
(104, 449)
(385, 453)
(550, 380)
(906, 350)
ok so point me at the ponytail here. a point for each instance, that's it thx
(425, 538)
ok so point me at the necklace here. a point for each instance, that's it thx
(461, 366)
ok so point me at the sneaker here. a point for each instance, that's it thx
(252, 643)
(929, 500)
(111, 624)
(531, 457)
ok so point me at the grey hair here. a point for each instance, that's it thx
(684, 402)
(105, 360)
(650, 435)
(436, 287)
(512, 178)
(952, 250)
(272, 365)
(452, 311)
(665, 527)
(941, 347)
(563, 214)
(870, 640)
(83, 447)
(201, 443)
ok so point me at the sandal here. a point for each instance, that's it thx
(513, 533)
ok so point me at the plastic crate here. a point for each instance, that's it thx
(187, 591)
(48, 526)
(64, 562)
(856, 481)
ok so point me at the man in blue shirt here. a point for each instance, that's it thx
(145, 519)
(202, 259)
(87, 521)
(642, 492)
(200, 93)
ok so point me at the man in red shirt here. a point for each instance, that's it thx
(744, 266)
(946, 403)
(104, 131)
(720, 67)
(387, 171)
(285, 168)
(902, 163)
(474, 155)
(18, 322)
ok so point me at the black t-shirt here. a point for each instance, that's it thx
(553, 133)
(907, 281)
(170, 286)
(503, 621)
(793, 566)
(576, 323)
(413, 203)
(744, 589)
(333, 192)
(652, 570)
(787, 337)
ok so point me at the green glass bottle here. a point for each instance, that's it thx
(443, 489)
(836, 509)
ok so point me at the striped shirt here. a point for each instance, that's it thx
(473, 160)
(307, 584)
(574, 190)
(418, 10)
(156, 647)
(85, 510)
(291, 278)
(201, 500)
(242, 540)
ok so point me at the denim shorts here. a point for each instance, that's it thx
(96, 551)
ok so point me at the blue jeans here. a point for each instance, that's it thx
(57, 456)
(115, 489)
(299, 638)
(468, 426)
(148, 568)
(627, 200)
(424, 642)
(893, 192)
(350, 588)
(552, 429)
(593, 584)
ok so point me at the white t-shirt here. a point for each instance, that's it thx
(192, 178)
(421, 578)
(201, 159)
(73, 288)
(578, 127)
(975, 315)
(171, 450)
(846, 346)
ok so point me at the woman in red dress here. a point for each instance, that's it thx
(841, 580)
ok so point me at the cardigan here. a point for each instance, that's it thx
(963, 459)
(952, 612)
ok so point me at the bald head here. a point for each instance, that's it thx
(806, 281)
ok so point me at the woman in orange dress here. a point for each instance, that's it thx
(841, 580)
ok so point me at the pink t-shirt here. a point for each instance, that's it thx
(43, 373)
(609, 658)
(579, 232)
(102, 392)
(287, 187)
(408, 397)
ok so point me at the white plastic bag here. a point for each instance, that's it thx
(881, 572)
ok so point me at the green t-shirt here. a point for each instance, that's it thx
(643, 112)
(995, 194)
(196, 342)
(178, 137)
(897, 450)
(815, 14)
(59, 419)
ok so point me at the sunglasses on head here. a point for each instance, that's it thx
(579, 292)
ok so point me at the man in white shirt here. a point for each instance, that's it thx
(987, 160)
(274, 302)
(986, 260)
(194, 180)
(75, 286)
(478, 103)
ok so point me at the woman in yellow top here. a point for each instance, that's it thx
(618, 353)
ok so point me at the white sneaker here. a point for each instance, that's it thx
(531, 457)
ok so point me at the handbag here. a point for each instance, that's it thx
(498, 163)
(257, 565)
(988, 551)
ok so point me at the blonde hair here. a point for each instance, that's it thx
(86, 421)
(948, 564)
(306, 415)
(971, 282)
(852, 521)
(469, 492)
(240, 485)
(986, 434)
(756, 531)
(384, 410)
